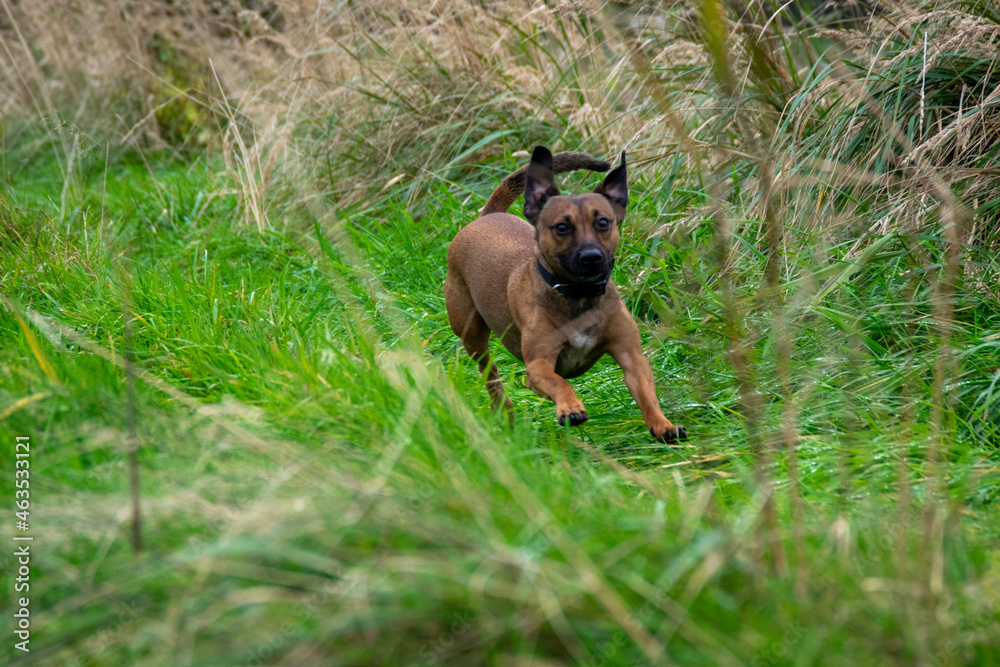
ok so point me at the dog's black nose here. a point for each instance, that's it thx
(590, 255)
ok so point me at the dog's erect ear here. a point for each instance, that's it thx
(615, 188)
(539, 183)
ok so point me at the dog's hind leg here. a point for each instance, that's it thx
(471, 328)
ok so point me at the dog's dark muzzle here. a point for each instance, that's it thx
(590, 261)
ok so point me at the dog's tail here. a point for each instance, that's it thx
(513, 185)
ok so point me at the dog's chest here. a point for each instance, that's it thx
(578, 355)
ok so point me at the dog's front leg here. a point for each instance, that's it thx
(543, 380)
(626, 349)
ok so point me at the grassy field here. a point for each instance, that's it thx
(222, 268)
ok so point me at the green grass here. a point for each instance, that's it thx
(322, 481)
(344, 496)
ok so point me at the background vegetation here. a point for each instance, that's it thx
(252, 200)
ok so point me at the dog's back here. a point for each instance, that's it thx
(490, 248)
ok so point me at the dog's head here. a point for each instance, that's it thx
(576, 236)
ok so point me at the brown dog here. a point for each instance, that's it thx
(545, 288)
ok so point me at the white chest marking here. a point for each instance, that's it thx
(582, 342)
(575, 355)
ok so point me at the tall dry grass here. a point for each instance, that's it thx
(364, 97)
(395, 90)
(374, 93)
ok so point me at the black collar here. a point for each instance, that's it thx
(576, 290)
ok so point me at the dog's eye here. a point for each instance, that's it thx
(562, 229)
(603, 224)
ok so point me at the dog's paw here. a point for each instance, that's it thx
(671, 434)
(575, 415)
